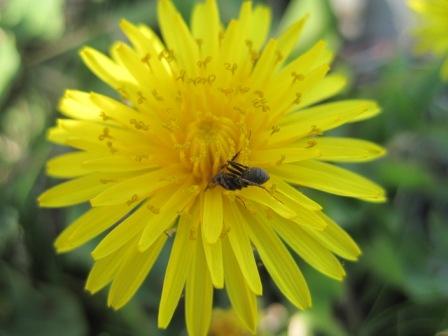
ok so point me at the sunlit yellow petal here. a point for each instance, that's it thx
(177, 36)
(133, 270)
(104, 67)
(282, 155)
(242, 298)
(118, 163)
(309, 249)
(336, 240)
(89, 225)
(240, 243)
(213, 256)
(288, 39)
(327, 88)
(332, 179)
(75, 191)
(111, 109)
(315, 120)
(206, 26)
(132, 189)
(69, 165)
(293, 194)
(167, 214)
(279, 263)
(346, 149)
(198, 294)
(123, 233)
(265, 198)
(260, 25)
(77, 105)
(212, 215)
(176, 271)
(103, 270)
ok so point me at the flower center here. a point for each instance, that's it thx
(212, 141)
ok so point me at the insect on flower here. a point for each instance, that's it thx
(236, 176)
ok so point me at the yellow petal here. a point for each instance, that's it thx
(77, 105)
(347, 149)
(74, 191)
(314, 120)
(288, 39)
(263, 68)
(206, 26)
(177, 36)
(125, 140)
(212, 215)
(139, 70)
(133, 189)
(282, 155)
(123, 232)
(118, 163)
(240, 243)
(150, 49)
(326, 88)
(168, 213)
(198, 294)
(144, 39)
(279, 263)
(213, 256)
(176, 271)
(292, 96)
(60, 136)
(265, 198)
(233, 45)
(295, 72)
(88, 226)
(69, 165)
(103, 270)
(336, 240)
(260, 26)
(123, 114)
(304, 216)
(332, 179)
(103, 67)
(309, 249)
(293, 194)
(132, 272)
(243, 300)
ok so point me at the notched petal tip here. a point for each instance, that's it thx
(86, 52)
(62, 247)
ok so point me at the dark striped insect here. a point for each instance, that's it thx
(236, 176)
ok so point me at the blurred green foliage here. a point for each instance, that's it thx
(400, 285)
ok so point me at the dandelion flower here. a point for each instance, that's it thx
(148, 161)
(432, 32)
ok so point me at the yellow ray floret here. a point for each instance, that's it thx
(214, 134)
(431, 30)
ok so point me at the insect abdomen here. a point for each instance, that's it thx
(256, 175)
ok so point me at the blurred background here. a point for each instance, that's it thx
(399, 286)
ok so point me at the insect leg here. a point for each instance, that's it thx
(234, 171)
(236, 155)
(241, 168)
